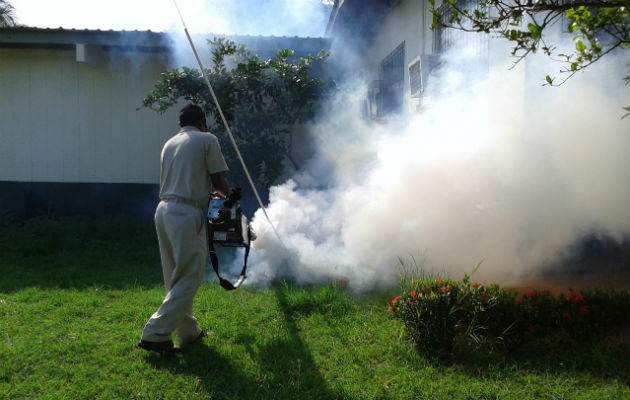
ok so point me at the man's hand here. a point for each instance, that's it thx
(220, 183)
(233, 198)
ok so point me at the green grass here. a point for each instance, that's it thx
(74, 297)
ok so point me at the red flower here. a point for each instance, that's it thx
(427, 289)
(414, 282)
(413, 295)
(474, 285)
(529, 294)
(566, 315)
(440, 281)
(390, 309)
(443, 289)
(547, 292)
(484, 298)
(584, 310)
(573, 296)
(395, 300)
(449, 288)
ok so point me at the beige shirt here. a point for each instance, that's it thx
(187, 160)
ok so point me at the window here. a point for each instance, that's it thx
(446, 39)
(466, 52)
(392, 82)
(415, 77)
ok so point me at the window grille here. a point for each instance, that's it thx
(466, 53)
(392, 81)
(446, 39)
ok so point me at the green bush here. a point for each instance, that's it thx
(441, 315)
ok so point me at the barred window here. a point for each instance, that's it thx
(463, 52)
(446, 39)
(392, 81)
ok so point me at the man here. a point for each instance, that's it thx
(191, 164)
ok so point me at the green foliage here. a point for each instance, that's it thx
(7, 14)
(598, 27)
(442, 315)
(262, 101)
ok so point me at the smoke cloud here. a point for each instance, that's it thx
(242, 17)
(269, 17)
(505, 171)
(208, 18)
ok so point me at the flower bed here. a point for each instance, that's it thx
(445, 315)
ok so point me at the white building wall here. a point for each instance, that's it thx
(68, 121)
(409, 21)
(405, 22)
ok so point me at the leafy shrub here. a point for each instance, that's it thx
(261, 100)
(460, 316)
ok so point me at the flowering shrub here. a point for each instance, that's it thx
(446, 315)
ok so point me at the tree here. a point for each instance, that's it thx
(261, 100)
(598, 27)
(7, 14)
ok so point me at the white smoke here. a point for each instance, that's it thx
(206, 19)
(243, 17)
(508, 172)
(302, 18)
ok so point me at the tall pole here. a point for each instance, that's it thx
(225, 123)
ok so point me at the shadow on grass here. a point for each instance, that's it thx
(111, 253)
(214, 372)
(605, 358)
(114, 253)
(285, 368)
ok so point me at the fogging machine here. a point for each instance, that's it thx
(228, 227)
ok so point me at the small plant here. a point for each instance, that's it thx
(462, 316)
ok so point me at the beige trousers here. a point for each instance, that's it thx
(181, 232)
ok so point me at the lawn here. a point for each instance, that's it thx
(74, 297)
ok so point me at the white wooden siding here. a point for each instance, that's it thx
(63, 121)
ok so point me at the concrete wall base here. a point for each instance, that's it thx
(25, 200)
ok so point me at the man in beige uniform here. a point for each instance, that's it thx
(191, 163)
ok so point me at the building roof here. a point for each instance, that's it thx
(357, 20)
(20, 36)
(25, 37)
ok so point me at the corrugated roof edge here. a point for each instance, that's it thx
(24, 35)
(35, 35)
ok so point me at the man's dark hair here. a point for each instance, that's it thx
(191, 114)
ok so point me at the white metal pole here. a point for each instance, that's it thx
(227, 127)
